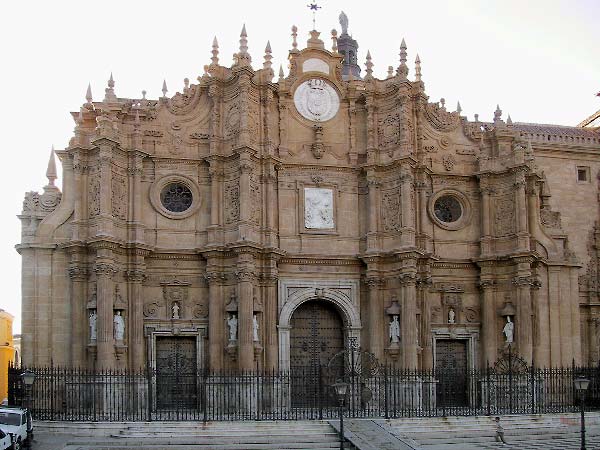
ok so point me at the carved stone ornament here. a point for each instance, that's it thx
(391, 211)
(119, 197)
(151, 309)
(232, 202)
(316, 100)
(440, 118)
(318, 209)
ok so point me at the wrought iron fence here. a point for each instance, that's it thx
(81, 395)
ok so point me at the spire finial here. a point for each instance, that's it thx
(136, 124)
(268, 57)
(417, 68)
(164, 89)
(369, 65)
(403, 68)
(390, 73)
(294, 38)
(458, 108)
(281, 74)
(51, 170)
(334, 46)
(344, 22)
(443, 103)
(215, 53)
(109, 92)
(88, 95)
(144, 95)
(243, 57)
(509, 121)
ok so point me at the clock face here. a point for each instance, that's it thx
(316, 100)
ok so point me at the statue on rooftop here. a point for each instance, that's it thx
(344, 22)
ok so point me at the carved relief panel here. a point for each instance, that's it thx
(94, 194)
(391, 210)
(318, 209)
(232, 201)
(504, 216)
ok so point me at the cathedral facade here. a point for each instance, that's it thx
(254, 221)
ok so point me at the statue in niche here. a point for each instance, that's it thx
(232, 323)
(175, 310)
(451, 316)
(508, 330)
(118, 326)
(395, 330)
(93, 320)
(255, 328)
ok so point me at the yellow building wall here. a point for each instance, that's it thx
(7, 350)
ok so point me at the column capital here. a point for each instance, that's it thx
(105, 269)
(78, 273)
(136, 275)
(486, 284)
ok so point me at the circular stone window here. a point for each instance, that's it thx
(450, 209)
(175, 196)
(447, 209)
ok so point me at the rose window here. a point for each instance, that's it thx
(447, 209)
(176, 197)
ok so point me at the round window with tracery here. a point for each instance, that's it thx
(447, 209)
(176, 197)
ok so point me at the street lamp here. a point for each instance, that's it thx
(341, 389)
(28, 377)
(581, 385)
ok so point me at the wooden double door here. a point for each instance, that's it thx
(316, 336)
(451, 372)
(176, 372)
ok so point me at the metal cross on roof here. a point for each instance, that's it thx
(314, 8)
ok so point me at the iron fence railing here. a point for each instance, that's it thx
(82, 395)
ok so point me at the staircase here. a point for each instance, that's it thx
(263, 435)
(439, 432)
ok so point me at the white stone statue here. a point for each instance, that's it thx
(395, 330)
(508, 330)
(93, 320)
(175, 309)
(255, 328)
(118, 326)
(451, 316)
(232, 323)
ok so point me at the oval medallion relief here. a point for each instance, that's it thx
(316, 100)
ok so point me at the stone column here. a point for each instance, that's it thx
(270, 322)
(216, 332)
(488, 322)
(425, 339)
(78, 211)
(541, 327)
(105, 343)
(271, 206)
(409, 320)
(28, 307)
(521, 209)
(43, 307)
(376, 323)
(406, 198)
(373, 212)
(136, 198)
(105, 189)
(554, 305)
(575, 315)
(565, 317)
(80, 337)
(135, 277)
(245, 276)
(486, 215)
(523, 325)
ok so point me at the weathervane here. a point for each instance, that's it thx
(314, 8)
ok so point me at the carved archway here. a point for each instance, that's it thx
(342, 294)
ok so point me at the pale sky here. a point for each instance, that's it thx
(538, 59)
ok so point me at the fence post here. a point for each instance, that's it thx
(487, 386)
(385, 392)
(150, 396)
(320, 388)
(532, 372)
(204, 395)
(510, 380)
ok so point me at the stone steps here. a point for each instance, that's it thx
(263, 435)
(472, 430)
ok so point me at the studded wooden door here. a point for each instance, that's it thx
(176, 380)
(451, 372)
(316, 336)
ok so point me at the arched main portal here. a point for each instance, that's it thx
(316, 335)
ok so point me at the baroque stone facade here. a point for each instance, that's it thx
(215, 214)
